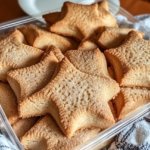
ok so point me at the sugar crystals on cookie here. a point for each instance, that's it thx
(27, 81)
(71, 97)
(15, 54)
(131, 61)
(82, 21)
(46, 135)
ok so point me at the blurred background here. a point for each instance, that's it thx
(10, 9)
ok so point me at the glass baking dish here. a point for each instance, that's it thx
(105, 137)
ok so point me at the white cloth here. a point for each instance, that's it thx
(142, 24)
(137, 135)
(5, 144)
(134, 137)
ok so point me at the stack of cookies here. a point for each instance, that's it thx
(59, 75)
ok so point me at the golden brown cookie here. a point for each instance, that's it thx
(92, 62)
(82, 21)
(75, 99)
(27, 81)
(24, 125)
(40, 38)
(131, 61)
(111, 73)
(8, 101)
(130, 99)
(113, 37)
(87, 45)
(52, 17)
(14, 54)
(46, 135)
(113, 110)
(56, 51)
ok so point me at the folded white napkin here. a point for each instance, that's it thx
(137, 135)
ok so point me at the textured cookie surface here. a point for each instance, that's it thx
(46, 135)
(75, 99)
(23, 125)
(130, 99)
(27, 81)
(56, 51)
(131, 61)
(8, 102)
(14, 54)
(41, 38)
(83, 21)
(112, 37)
(92, 61)
(87, 45)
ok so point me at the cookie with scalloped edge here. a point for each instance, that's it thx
(111, 37)
(26, 81)
(75, 99)
(83, 21)
(51, 18)
(130, 99)
(56, 51)
(41, 38)
(15, 54)
(18, 37)
(92, 61)
(24, 125)
(87, 45)
(8, 101)
(131, 61)
(46, 135)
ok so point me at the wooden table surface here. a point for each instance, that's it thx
(9, 9)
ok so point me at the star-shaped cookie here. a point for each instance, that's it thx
(46, 135)
(83, 21)
(15, 54)
(22, 126)
(41, 38)
(111, 37)
(92, 61)
(56, 51)
(26, 81)
(130, 99)
(8, 101)
(75, 99)
(131, 61)
(87, 45)
(52, 17)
